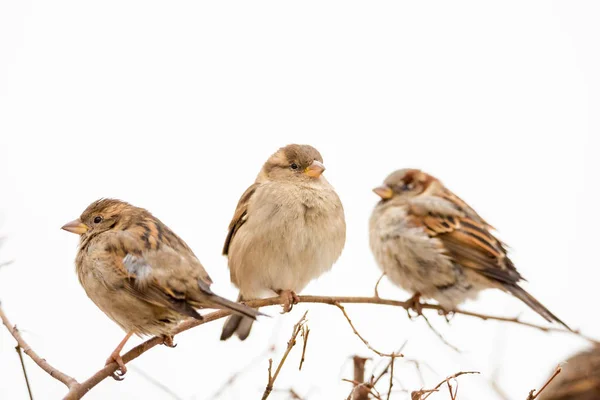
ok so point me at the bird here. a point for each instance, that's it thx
(140, 273)
(288, 229)
(579, 378)
(431, 243)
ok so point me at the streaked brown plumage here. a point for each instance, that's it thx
(578, 380)
(140, 273)
(430, 242)
(288, 228)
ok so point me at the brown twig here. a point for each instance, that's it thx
(156, 383)
(70, 382)
(362, 390)
(291, 343)
(439, 335)
(304, 334)
(418, 395)
(241, 371)
(391, 377)
(377, 285)
(379, 353)
(18, 349)
(533, 394)
(78, 390)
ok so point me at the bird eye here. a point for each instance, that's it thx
(407, 186)
(98, 219)
(294, 166)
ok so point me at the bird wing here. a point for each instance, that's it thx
(161, 275)
(240, 216)
(465, 236)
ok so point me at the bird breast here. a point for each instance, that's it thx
(293, 234)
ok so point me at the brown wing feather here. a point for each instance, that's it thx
(468, 240)
(239, 217)
(131, 263)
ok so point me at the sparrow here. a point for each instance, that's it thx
(579, 379)
(141, 274)
(431, 243)
(288, 229)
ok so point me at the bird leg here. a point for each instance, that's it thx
(289, 298)
(168, 341)
(115, 356)
(414, 303)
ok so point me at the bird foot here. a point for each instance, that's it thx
(414, 303)
(119, 374)
(168, 341)
(288, 298)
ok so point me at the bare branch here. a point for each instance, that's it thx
(362, 390)
(362, 338)
(41, 362)
(439, 335)
(424, 394)
(18, 349)
(78, 390)
(533, 394)
(156, 383)
(304, 334)
(291, 343)
(377, 285)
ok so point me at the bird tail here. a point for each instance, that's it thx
(238, 324)
(238, 308)
(535, 305)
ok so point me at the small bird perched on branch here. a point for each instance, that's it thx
(140, 273)
(288, 229)
(579, 378)
(431, 243)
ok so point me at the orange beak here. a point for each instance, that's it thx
(384, 191)
(76, 227)
(315, 169)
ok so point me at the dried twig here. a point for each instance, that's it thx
(534, 394)
(78, 390)
(241, 371)
(424, 394)
(361, 390)
(156, 383)
(291, 343)
(379, 353)
(377, 285)
(439, 335)
(18, 349)
(70, 382)
(304, 333)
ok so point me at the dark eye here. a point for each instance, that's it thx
(407, 186)
(294, 166)
(98, 219)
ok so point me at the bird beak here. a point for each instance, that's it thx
(384, 191)
(315, 169)
(76, 226)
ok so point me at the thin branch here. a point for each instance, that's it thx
(304, 334)
(377, 285)
(291, 343)
(533, 394)
(18, 349)
(241, 371)
(439, 335)
(418, 395)
(391, 377)
(156, 383)
(362, 338)
(78, 390)
(68, 381)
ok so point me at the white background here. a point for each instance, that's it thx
(174, 106)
